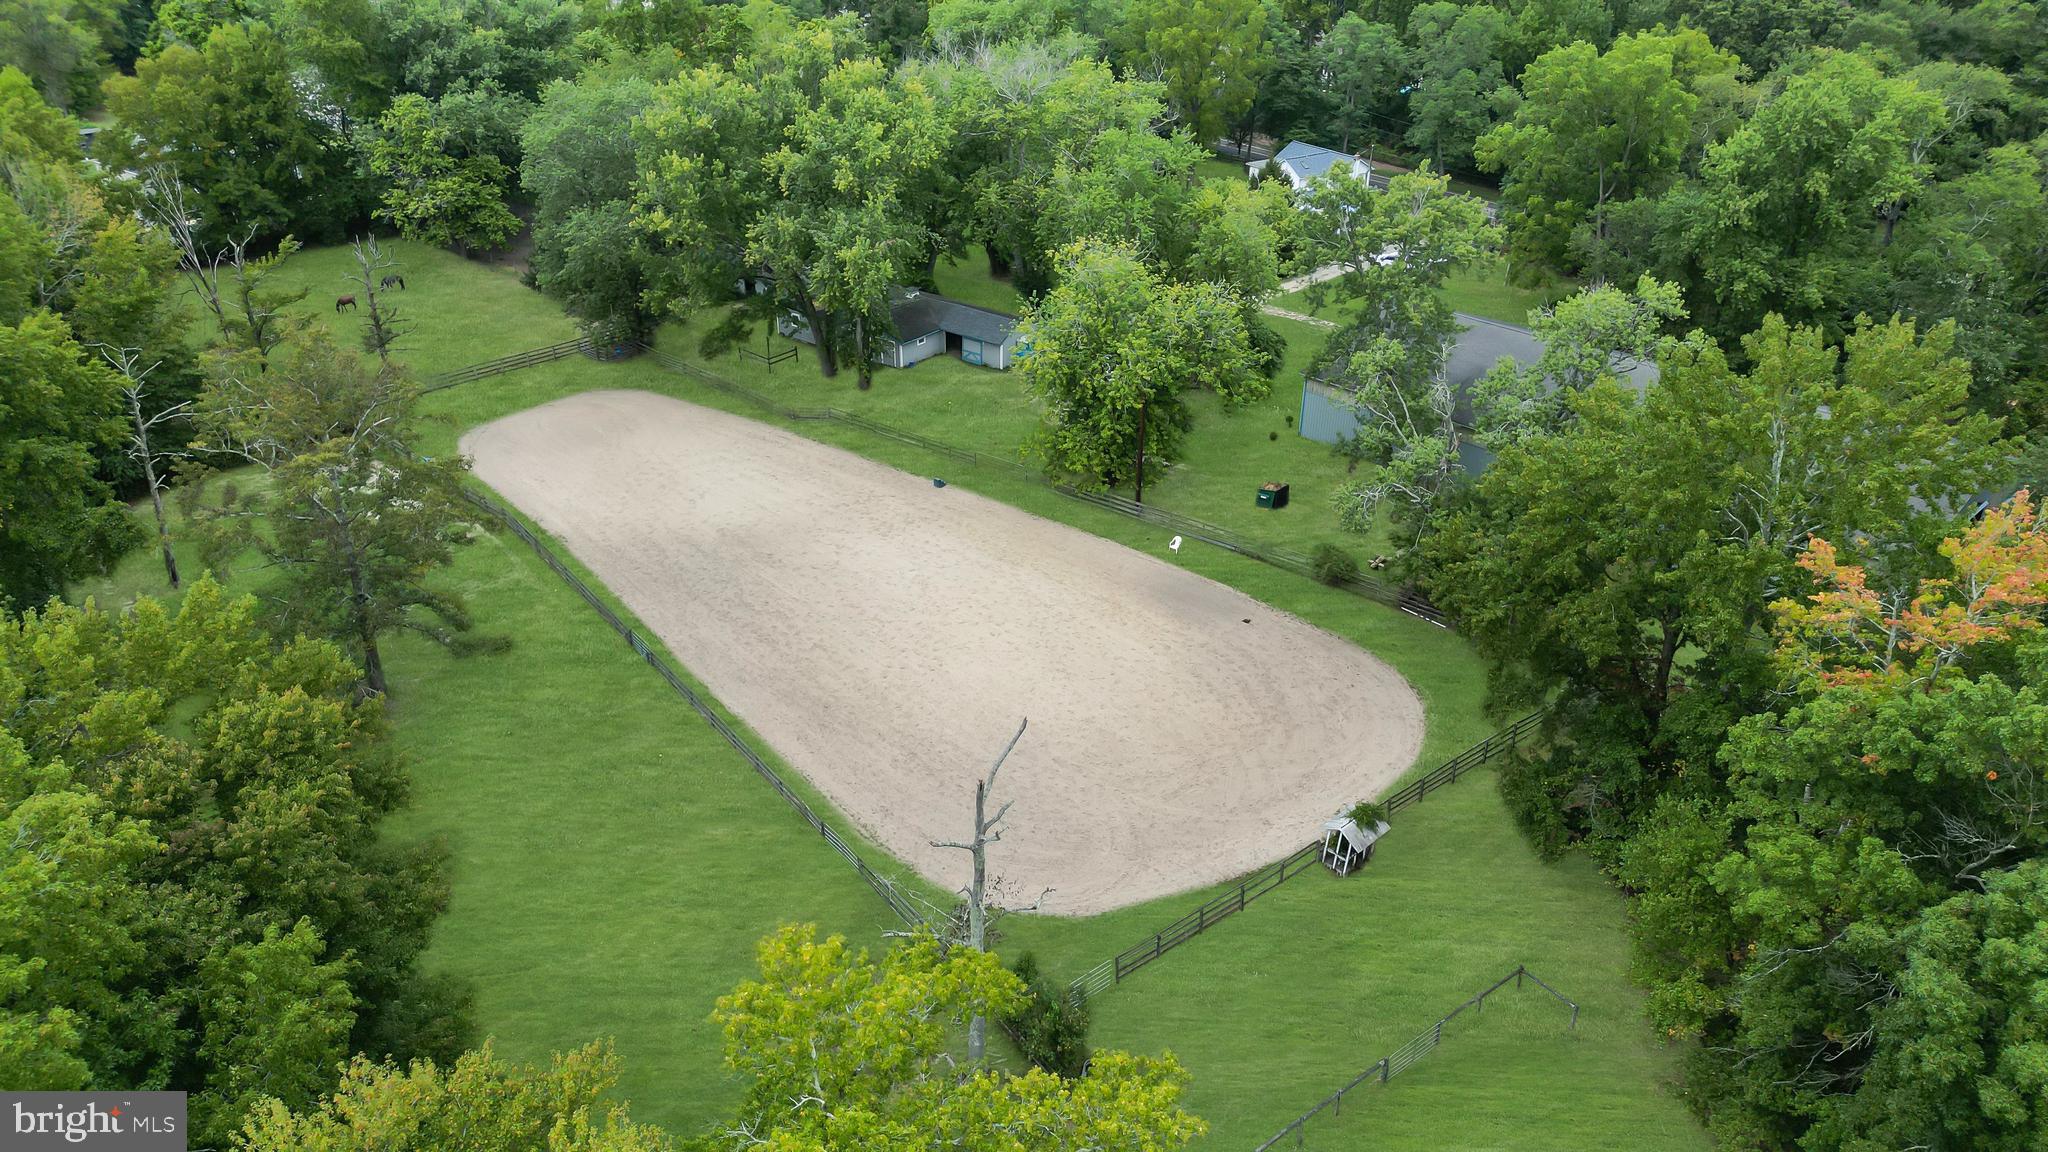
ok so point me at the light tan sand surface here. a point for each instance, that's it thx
(885, 636)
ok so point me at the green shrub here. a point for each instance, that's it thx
(1367, 813)
(1333, 565)
(1051, 1029)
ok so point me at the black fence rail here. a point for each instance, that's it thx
(882, 885)
(1405, 599)
(517, 360)
(1400, 1059)
(771, 359)
(1113, 971)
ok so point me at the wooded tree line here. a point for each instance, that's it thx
(1793, 685)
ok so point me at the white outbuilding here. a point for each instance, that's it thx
(1346, 845)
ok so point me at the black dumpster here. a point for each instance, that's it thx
(1272, 495)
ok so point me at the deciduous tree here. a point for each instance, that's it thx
(804, 165)
(437, 195)
(1587, 561)
(1209, 54)
(1114, 352)
(1396, 248)
(59, 409)
(476, 1101)
(1600, 334)
(355, 521)
(844, 1052)
(1878, 850)
(227, 120)
(1594, 128)
(1789, 206)
(1366, 66)
(1461, 89)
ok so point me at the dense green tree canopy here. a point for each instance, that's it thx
(58, 520)
(1789, 204)
(1208, 53)
(222, 917)
(843, 1052)
(1597, 127)
(830, 212)
(1855, 929)
(1113, 353)
(1588, 561)
(226, 118)
(436, 194)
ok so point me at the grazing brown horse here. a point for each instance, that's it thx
(393, 281)
(343, 303)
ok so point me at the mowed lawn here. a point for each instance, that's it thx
(614, 862)
(1483, 290)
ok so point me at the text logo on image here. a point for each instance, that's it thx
(94, 1121)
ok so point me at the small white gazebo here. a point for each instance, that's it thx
(1346, 845)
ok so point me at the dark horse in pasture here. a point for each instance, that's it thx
(344, 303)
(393, 281)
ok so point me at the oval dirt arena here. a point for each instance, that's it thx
(885, 636)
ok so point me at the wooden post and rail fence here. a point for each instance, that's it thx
(1402, 1058)
(1115, 969)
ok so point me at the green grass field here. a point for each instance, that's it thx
(615, 862)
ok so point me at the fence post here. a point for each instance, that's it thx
(1383, 1069)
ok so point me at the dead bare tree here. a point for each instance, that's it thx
(372, 269)
(163, 199)
(987, 830)
(143, 445)
(228, 280)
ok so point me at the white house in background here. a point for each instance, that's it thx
(928, 324)
(1302, 162)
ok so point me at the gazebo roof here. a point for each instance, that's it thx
(1359, 838)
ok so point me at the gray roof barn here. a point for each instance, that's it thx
(917, 313)
(1483, 342)
(926, 325)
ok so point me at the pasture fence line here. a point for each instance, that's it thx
(1404, 599)
(517, 360)
(1114, 970)
(1404, 1057)
(1108, 973)
(883, 886)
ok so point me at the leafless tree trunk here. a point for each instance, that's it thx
(141, 443)
(163, 198)
(371, 264)
(987, 831)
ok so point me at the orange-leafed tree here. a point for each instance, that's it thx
(1848, 632)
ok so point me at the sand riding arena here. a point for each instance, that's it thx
(885, 635)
